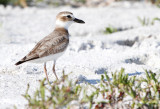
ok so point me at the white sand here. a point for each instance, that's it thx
(90, 52)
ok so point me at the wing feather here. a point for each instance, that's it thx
(51, 44)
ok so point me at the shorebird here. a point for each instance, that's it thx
(51, 47)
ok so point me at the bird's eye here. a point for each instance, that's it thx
(69, 16)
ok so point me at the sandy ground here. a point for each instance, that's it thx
(90, 52)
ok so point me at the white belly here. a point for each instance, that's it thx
(48, 58)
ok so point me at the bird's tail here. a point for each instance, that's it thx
(19, 62)
(25, 60)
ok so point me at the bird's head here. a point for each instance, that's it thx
(65, 19)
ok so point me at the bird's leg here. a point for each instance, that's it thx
(45, 70)
(54, 63)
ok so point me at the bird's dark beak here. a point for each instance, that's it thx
(78, 20)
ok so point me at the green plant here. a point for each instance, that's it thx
(4, 2)
(146, 21)
(115, 90)
(155, 19)
(81, 1)
(57, 95)
(110, 30)
(121, 86)
(143, 92)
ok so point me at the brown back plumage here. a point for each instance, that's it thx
(54, 43)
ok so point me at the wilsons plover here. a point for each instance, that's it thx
(54, 45)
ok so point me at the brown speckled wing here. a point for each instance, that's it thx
(54, 43)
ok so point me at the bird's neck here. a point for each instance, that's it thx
(62, 30)
(61, 24)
